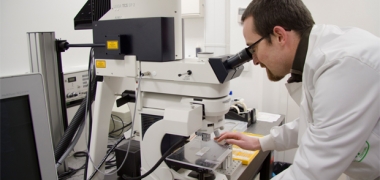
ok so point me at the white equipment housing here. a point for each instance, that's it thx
(185, 96)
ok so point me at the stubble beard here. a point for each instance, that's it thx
(273, 77)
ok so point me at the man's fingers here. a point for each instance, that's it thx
(233, 141)
(228, 135)
(220, 135)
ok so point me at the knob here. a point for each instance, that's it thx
(188, 73)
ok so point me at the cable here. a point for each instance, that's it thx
(120, 119)
(167, 153)
(91, 79)
(113, 122)
(69, 173)
(71, 146)
(122, 128)
(72, 129)
(133, 121)
(113, 130)
(72, 171)
(108, 153)
(80, 154)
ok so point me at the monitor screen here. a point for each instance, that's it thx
(19, 159)
(26, 144)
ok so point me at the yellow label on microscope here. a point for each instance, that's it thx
(112, 45)
(101, 64)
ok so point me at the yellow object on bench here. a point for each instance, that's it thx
(245, 156)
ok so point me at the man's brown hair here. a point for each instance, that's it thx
(289, 14)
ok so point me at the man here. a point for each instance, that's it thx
(338, 130)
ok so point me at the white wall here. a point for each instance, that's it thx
(216, 26)
(17, 17)
(22, 16)
(364, 14)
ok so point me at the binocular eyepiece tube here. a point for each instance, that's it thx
(240, 58)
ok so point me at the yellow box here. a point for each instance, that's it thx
(245, 156)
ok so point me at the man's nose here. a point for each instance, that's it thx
(255, 61)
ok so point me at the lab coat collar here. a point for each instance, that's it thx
(299, 59)
(295, 91)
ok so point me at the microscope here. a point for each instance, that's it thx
(174, 97)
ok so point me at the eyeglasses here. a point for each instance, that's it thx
(250, 48)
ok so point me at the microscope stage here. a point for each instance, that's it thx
(199, 155)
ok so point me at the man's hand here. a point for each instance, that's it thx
(241, 140)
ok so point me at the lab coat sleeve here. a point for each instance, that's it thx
(281, 137)
(345, 109)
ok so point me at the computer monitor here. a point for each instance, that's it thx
(26, 143)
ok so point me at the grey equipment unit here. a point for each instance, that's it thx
(76, 84)
(26, 143)
(43, 59)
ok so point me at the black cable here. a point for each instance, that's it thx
(71, 130)
(105, 157)
(167, 153)
(122, 128)
(121, 120)
(110, 166)
(72, 171)
(91, 80)
(80, 154)
(113, 122)
(84, 45)
(69, 173)
(117, 117)
(110, 160)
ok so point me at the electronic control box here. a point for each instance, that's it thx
(76, 85)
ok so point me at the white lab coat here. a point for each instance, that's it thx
(338, 129)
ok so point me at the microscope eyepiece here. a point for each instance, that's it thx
(228, 67)
(240, 58)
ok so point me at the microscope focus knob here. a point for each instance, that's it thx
(189, 72)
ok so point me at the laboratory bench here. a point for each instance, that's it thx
(262, 162)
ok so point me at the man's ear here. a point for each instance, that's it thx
(280, 35)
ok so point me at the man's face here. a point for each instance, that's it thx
(267, 55)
